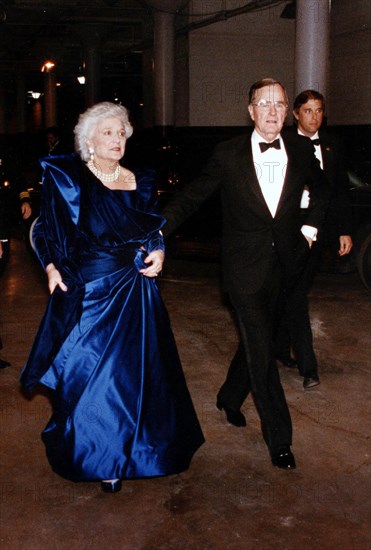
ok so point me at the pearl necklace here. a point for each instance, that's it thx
(104, 178)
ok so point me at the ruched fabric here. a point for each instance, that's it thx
(121, 407)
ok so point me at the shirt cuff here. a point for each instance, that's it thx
(304, 203)
(309, 231)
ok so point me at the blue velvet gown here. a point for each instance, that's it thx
(121, 407)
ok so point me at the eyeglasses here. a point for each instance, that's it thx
(267, 105)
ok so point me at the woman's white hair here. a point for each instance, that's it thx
(87, 123)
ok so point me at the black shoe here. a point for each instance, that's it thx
(4, 364)
(310, 381)
(288, 362)
(113, 486)
(234, 417)
(284, 459)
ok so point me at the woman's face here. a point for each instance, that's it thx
(108, 140)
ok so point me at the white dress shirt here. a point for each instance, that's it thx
(270, 168)
(317, 151)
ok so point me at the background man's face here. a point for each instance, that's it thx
(310, 116)
(51, 139)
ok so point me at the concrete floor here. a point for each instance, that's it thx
(231, 497)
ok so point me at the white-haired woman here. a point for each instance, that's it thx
(121, 407)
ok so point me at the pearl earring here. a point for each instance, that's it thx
(91, 153)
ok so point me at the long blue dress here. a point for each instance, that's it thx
(121, 407)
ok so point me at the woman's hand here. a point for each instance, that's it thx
(155, 259)
(54, 278)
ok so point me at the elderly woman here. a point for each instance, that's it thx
(121, 407)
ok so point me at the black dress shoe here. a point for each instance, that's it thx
(288, 362)
(234, 417)
(4, 364)
(113, 486)
(284, 459)
(310, 381)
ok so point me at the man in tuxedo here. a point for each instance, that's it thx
(295, 330)
(261, 177)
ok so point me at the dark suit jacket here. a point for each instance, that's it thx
(3, 229)
(339, 215)
(4, 216)
(249, 230)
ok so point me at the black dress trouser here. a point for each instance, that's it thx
(294, 327)
(254, 366)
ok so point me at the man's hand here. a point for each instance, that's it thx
(26, 210)
(54, 278)
(156, 260)
(346, 244)
(309, 240)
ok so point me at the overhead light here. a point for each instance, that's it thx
(47, 67)
(81, 79)
(34, 95)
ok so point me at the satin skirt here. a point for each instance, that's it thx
(121, 407)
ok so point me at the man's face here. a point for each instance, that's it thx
(51, 139)
(268, 110)
(310, 116)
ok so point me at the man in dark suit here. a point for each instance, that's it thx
(4, 238)
(261, 177)
(295, 330)
(53, 141)
(9, 195)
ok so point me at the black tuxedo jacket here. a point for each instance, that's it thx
(249, 230)
(339, 215)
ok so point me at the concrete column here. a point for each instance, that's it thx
(3, 104)
(164, 39)
(92, 74)
(21, 103)
(164, 58)
(91, 37)
(312, 45)
(37, 116)
(50, 98)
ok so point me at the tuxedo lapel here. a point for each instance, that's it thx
(248, 179)
(288, 181)
(327, 155)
